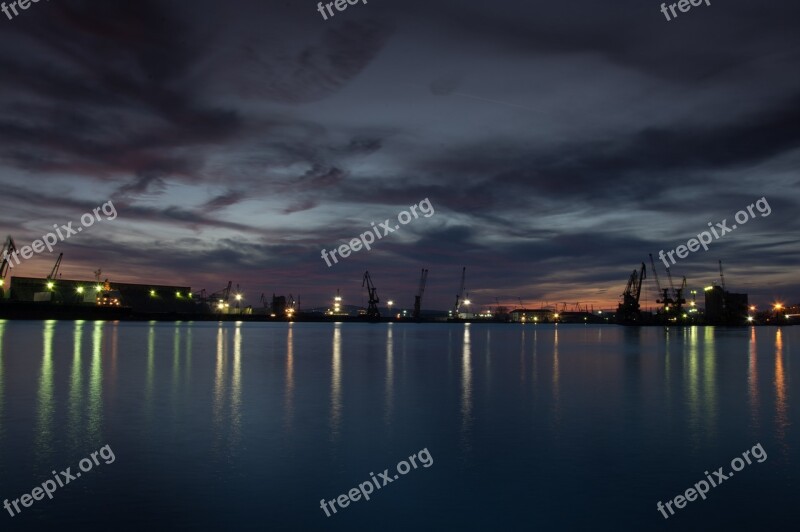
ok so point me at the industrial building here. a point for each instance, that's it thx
(141, 298)
(725, 308)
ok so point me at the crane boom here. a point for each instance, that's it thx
(54, 271)
(721, 276)
(460, 293)
(423, 280)
(9, 248)
(655, 273)
(372, 309)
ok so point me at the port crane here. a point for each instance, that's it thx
(629, 310)
(9, 248)
(54, 271)
(372, 309)
(460, 293)
(423, 280)
(221, 297)
(678, 293)
(663, 292)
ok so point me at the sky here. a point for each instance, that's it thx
(559, 144)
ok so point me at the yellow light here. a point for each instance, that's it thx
(555, 315)
(749, 318)
(707, 288)
(99, 288)
(692, 303)
(177, 294)
(80, 289)
(467, 301)
(238, 297)
(752, 307)
(2, 282)
(152, 293)
(778, 306)
(50, 285)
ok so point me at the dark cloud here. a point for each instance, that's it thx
(237, 140)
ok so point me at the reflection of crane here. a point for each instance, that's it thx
(460, 293)
(372, 309)
(423, 280)
(54, 271)
(629, 310)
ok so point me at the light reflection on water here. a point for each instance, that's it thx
(44, 430)
(239, 388)
(781, 411)
(466, 390)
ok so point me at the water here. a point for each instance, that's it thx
(247, 426)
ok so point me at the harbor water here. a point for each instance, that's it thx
(248, 426)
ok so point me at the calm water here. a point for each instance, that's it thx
(247, 427)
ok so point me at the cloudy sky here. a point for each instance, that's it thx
(559, 143)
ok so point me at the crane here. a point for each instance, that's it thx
(629, 310)
(721, 276)
(677, 293)
(54, 271)
(9, 248)
(663, 292)
(222, 296)
(460, 293)
(372, 310)
(423, 280)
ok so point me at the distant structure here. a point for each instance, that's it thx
(146, 298)
(725, 308)
(629, 312)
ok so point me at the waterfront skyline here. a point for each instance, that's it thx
(236, 144)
